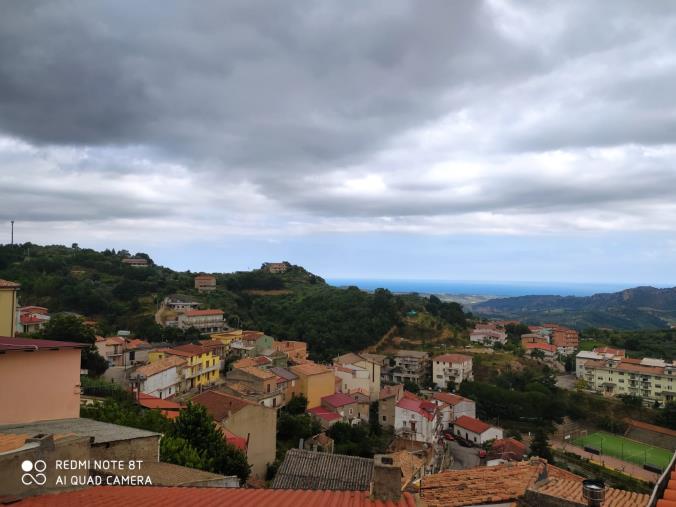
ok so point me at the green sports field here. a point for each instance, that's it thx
(625, 449)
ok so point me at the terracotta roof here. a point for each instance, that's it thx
(160, 365)
(18, 344)
(427, 409)
(572, 491)
(323, 413)
(508, 448)
(627, 365)
(471, 424)
(190, 349)
(450, 399)
(453, 358)
(104, 496)
(236, 440)
(409, 464)
(322, 471)
(220, 404)
(202, 313)
(540, 346)
(205, 277)
(6, 284)
(338, 400)
(251, 361)
(168, 474)
(389, 391)
(258, 372)
(30, 319)
(309, 368)
(170, 409)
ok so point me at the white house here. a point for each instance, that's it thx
(451, 407)
(451, 368)
(475, 431)
(488, 337)
(352, 377)
(161, 378)
(415, 419)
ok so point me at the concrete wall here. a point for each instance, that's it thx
(144, 448)
(260, 425)
(7, 312)
(67, 448)
(38, 386)
(315, 387)
(386, 408)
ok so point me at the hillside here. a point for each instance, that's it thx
(291, 305)
(630, 309)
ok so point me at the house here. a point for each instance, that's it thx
(351, 377)
(201, 367)
(451, 407)
(249, 420)
(415, 419)
(527, 483)
(40, 380)
(319, 443)
(650, 379)
(534, 338)
(326, 417)
(567, 340)
(275, 267)
(347, 407)
(206, 321)
(508, 449)
(286, 381)
(314, 382)
(32, 319)
(180, 303)
(162, 378)
(361, 365)
(488, 337)
(475, 431)
(545, 349)
(136, 262)
(293, 349)
(451, 369)
(259, 361)
(257, 381)
(205, 283)
(8, 306)
(169, 409)
(389, 396)
(121, 351)
(406, 366)
(252, 343)
(303, 469)
(217, 347)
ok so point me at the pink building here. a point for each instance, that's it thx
(40, 380)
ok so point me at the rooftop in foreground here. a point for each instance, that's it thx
(101, 431)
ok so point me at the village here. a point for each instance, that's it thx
(243, 378)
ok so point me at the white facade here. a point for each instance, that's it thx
(352, 377)
(488, 337)
(491, 433)
(451, 368)
(450, 410)
(162, 384)
(411, 424)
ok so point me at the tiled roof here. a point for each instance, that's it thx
(10, 344)
(409, 464)
(27, 319)
(388, 391)
(219, 404)
(324, 414)
(540, 346)
(6, 284)
(626, 365)
(202, 313)
(160, 365)
(168, 474)
(317, 470)
(105, 496)
(453, 358)
(258, 372)
(508, 448)
(411, 402)
(449, 398)
(191, 349)
(309, 368)
(572, 491)
(471, 424)
(245, 362)
(338, 400)
(236, 440)
(284, 373)
(168, 408)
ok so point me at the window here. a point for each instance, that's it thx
(384, 418)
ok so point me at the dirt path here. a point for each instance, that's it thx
(387, 336)
(608, 462)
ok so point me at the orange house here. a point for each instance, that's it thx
(40, 380)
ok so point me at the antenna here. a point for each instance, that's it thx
(12, 222)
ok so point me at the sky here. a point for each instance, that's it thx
(463, 140)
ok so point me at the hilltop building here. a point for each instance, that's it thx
(451, 369)
(205, 283)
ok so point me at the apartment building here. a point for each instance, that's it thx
(488, 337)
(205, 283)
(180, 303)
(599, 353)
(651, 379)
(206, 321)
(407, 366)
(451, 368)
(201, 367)
(451, 407)
(567, 340)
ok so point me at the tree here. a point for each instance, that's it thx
(411, 387)
(70, 328)
(540, 445)
(667, 416)
(196, 427)
(537, 354)
(178, 451)
(297, 405)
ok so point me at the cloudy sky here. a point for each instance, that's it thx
(458, 140)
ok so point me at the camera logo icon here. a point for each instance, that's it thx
(33, 472)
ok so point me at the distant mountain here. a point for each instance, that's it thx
(637, 308)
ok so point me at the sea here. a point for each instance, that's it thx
(480, 288)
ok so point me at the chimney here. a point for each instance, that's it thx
(594, 491)
(386, 484)
(45, 441)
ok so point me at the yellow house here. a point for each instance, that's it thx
(314, 382)
(227, 337)
(201, 367)
(8, 307)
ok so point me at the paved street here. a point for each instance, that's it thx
(464, 457)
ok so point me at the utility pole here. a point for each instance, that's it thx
(12, 221)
